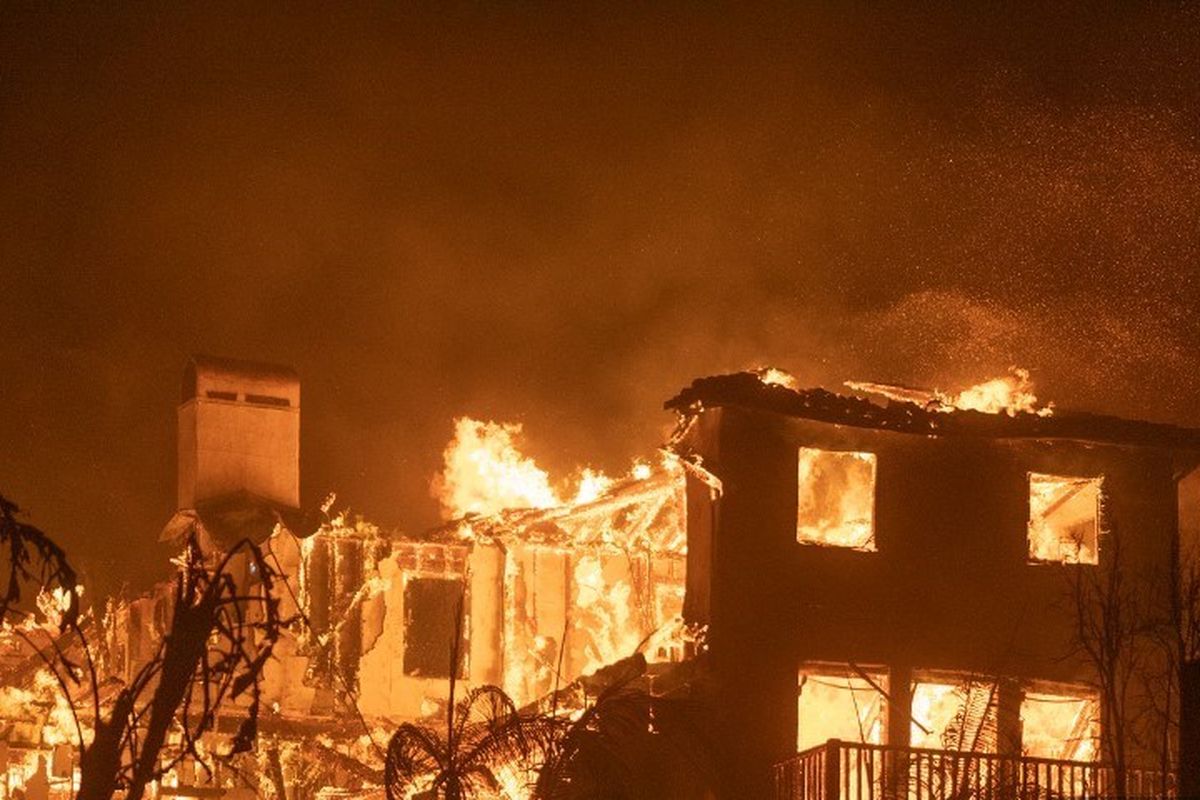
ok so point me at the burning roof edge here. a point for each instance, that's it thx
(747, 390)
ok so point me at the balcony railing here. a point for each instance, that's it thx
(852, 771)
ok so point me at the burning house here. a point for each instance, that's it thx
(875, 591)
(908, 579)
(526, 590)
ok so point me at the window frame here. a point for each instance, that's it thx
(1098, 480)
(407, 619)
(871, 544)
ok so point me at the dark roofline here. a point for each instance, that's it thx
(746, 390)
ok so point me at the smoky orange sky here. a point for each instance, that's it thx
(560, 216)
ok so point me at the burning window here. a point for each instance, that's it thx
(1064, 519)
(840, 703)
(1060, 726)
(955, 715)
(836, 499)
(431, 609)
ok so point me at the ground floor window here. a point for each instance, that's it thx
(1063, 724)
(955, 713)
(949, 712)
(840, 702)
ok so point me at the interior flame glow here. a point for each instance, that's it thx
(836, 499)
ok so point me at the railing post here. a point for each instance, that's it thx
(1189, 729)
(899, 732)
(833, 770)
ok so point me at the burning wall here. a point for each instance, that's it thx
(549, 594)
(587, 585)
(548, 591)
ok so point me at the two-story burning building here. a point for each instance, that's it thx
(910, 579)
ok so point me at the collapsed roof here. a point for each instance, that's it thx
(643, 514)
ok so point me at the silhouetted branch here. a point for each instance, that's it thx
(220, 638)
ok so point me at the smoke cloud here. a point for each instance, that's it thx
(559, 218)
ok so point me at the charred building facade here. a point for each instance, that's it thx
(908, 577)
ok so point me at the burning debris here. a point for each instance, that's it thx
(584, 584)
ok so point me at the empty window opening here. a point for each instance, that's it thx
(955, 714)
(267, 400)
(1064, 519)
(431, 609)
(1060, 725)
(836, 499)
(213, 394)
(837, 702)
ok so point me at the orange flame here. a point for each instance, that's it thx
(774, 376)
(1010, 394)
(484, 472)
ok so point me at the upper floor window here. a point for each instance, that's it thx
(1064, 519)
(836, 499)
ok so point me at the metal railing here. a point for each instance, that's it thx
(852, 771)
